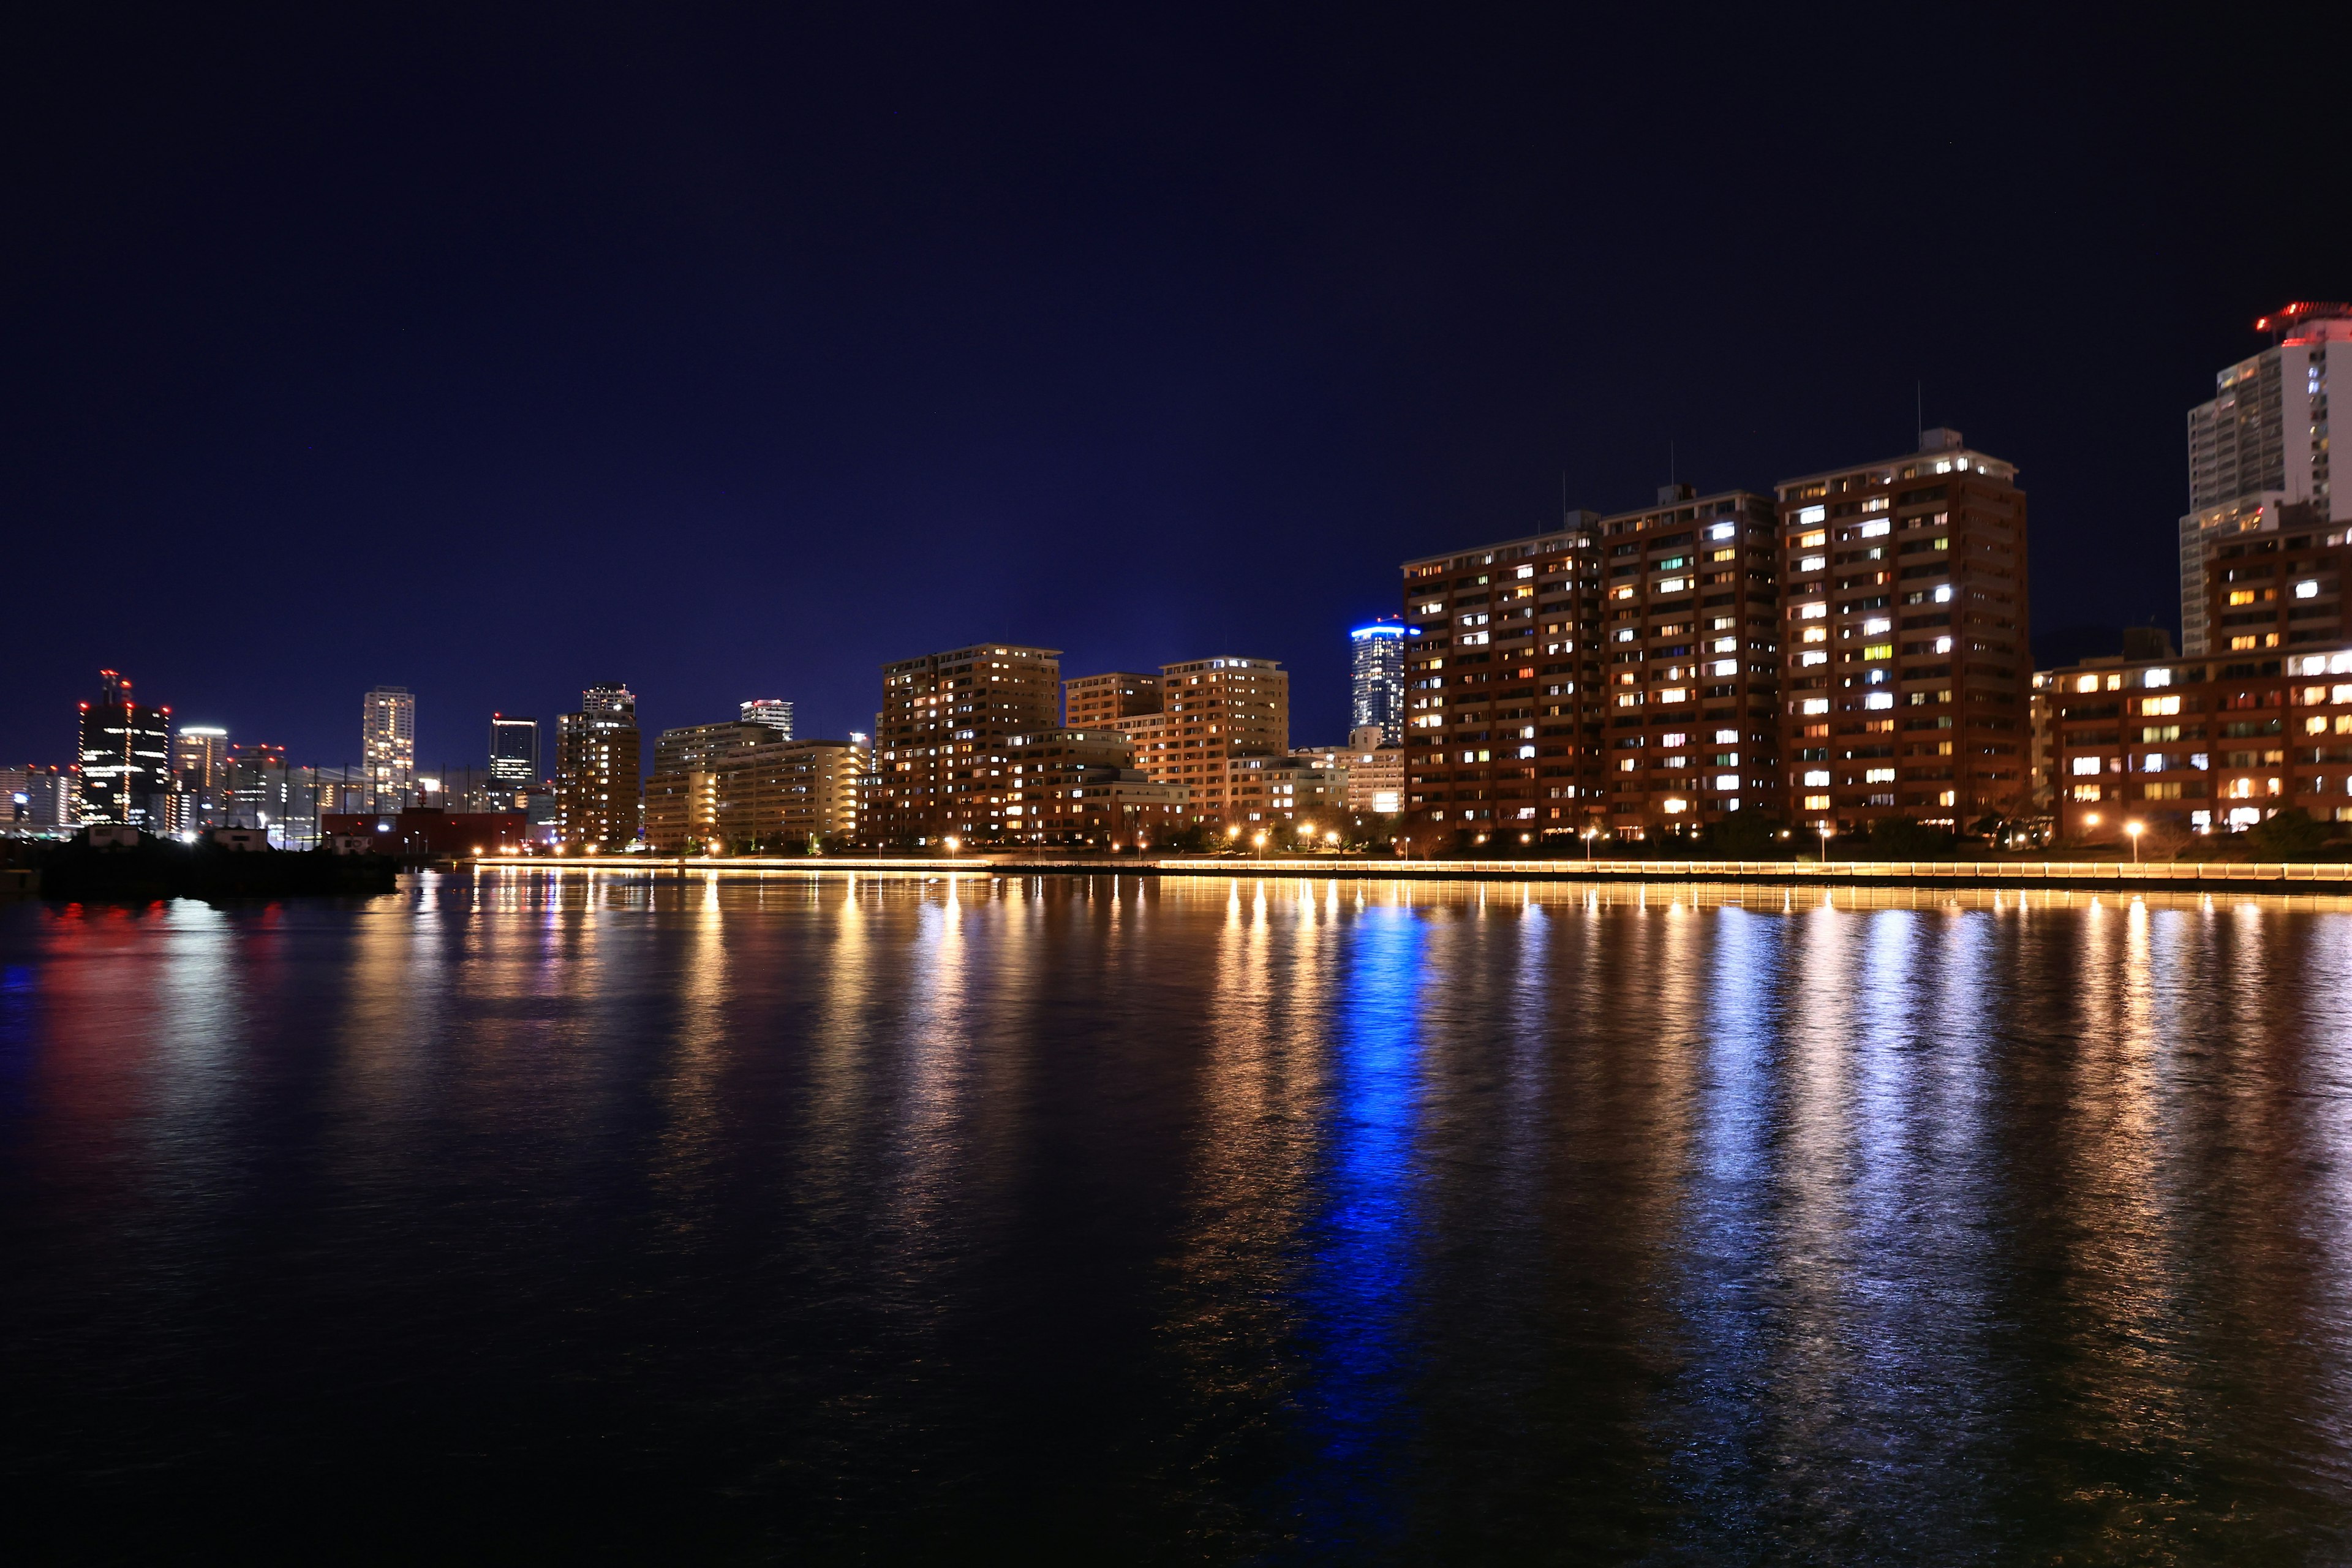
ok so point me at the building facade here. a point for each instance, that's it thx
(770, 712)
(1212, 712)
(1098, 701)
(599, 785)
(124, 773)
(1376, 679)
(200, 777)
(1691, 662)
(514, 751)
(2262, 443)
(2184, 745)
(943, 738)
(388, 745)
(1503, 708)
(1081, 787)
(1908, 675)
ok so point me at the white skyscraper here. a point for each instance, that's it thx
(388, 745)
(2262, 444)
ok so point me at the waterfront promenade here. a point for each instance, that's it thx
(2324, 876)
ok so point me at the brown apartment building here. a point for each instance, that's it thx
(1210, 712)
(1081, 786)
(1098, 701)
(2274, 582)
(1503, 722)
(2216, 745)
(1690, 597)
(1908, 675)
(943, 737)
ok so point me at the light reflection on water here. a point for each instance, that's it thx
(1218, 1220)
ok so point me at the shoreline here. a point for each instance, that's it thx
(2154, 877)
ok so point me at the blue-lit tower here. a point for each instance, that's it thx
(1376, 670)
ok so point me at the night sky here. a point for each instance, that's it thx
(498, 353)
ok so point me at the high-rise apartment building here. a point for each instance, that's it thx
(388, 745)
(200, 773)
(1503, 715)
(125, 759)
(1908, 675)
(599, 786)
(772, 712)
(2258, 445)
(942, 740)
(1690, 652)
(1375, 773)
(1212, 711)
(1098, 701)
(1376, 679)
(514, 751)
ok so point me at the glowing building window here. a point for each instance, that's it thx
(2307, 589)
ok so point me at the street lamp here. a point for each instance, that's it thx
(1589, 834)
(2135, 829)
(953, 845)
(1259, 840)
(1823, 826)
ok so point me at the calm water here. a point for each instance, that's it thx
(1204, 1222)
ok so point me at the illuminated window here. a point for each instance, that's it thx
(2086, 683)
(1817, 803)
(1878, 775)
(1875, 626)
(1816, 705)
(1944, 594)
(1673, 584)
(2307, 589)
(1876, 529)
(2085, 792)
(1813, 564)
(1726, 737)
(1819, 778)
(2159, 704)
(1676, 807)
(1807, 516)
(1879, 699)
(1811, 611)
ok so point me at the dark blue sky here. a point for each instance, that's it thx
(498, 352)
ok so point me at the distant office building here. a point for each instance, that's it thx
(1098, 701)
(514, 751)
(1082, 787)
(344, 790)
(200, 777)
(942, 740)
(1909, 680)
(36, 800)
(125, 775)
(2260, 444)
(773, 713)
(1376, 679)
(599, 785)
(265, 794)
(1212, 711)
(388, 744)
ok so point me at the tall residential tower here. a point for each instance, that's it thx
(1376, 679)
(388, 745)
(2260, 445)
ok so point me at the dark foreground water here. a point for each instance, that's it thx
(1197, 1222)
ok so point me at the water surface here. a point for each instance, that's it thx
(1202, 1221)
